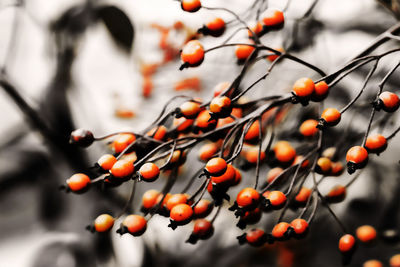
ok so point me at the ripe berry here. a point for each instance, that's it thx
(248, 198)
(150, 198)
(388, 101)
(303, 88)
(189, 110)
(252, 155)
(357, 158)
(149, 172)
(376, 143)
(181, 213)
(221, 106)
(192, 53)
(226, 179)
(274, 57)
(330, 117)
(249, 217)
(256, 27)
(202, 208)
(321, 91)
(303, 195)
(134, 224)
(176, 199)
(284, 152)
(81, 137)
(337, 169)
(276, 198)
(253, 132)
(216, 166)
(273, 173)
(122, 168)
(346, 243)
(158, 133)
(204, 121)
(238, 177)
(103, 223)
(242, 52)
(300, 158)
(207, 151)
(122, 141)
(395, 261)
(366, 233)
(280, 230)
(337, 192)
(300, 226)
(190, 5)
(215, 27)
(78, 182)
(182, 124)
(256, 237)
(324, 165)
(273, 18)
(203, 229)
(106, 161)
(372, 263)
(309, 128)
(220, 88)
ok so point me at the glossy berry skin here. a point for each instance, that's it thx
(103, 223)
(226, 179)
(273, 18)
(309, 128)
(273, 174)
(203, 228)
(106, 161)
(190, 5)
(256, 237)
(203, 208)
(242, 52)
(276, 198)
(357, 158)
(150, 198)
(284, 152)
(122, 141)
(158, 133)
(389, 101)
(279, 231)
(366, 233)
(324, 165)
(189, 109)
(216, 166)
(321, 91)
(300, 226)
(181, 213)
(135, 224)
(176, 199)
(149, 172)
(78, 182)
(192, 53)
(331, 116)
(303, 88)
(122, 168)
(252, 132)
(303, 195)
(203, 121)
(346, 243)
(215, 27)
(376, 143)
(372, 263)
(248, 198)
(81, 137)
(221, 106)
(395, 261)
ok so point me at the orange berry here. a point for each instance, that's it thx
(238, 177)
(181, 213)
(303, 195)
(135, 224)
(176, 199)
(190, 5)
(338, 191)
(299, 226)
(78, 182)
(331, 116)
(256, 237)
(300, 158)
(182, 124)
(158, 133)
(103, 223)
(189, 109)
(220, 88)
(309, 128)
(106, 161)
(274, 57)
(280, 230)
(122, 168)
(284, 152)
(357, 158)
(252, 155)
(303, 87)
(273, 17)
(244, 51)
(150, 198)
(226, 179)
(346, 243)
(221, 105)
(324, 165)
(216, 27)
(203, 208)
(273, 174)
(366, 233)
(321, 91)
(192, 53)
(224, 121)
(122, 141)
(337, 168)
(149, 172)
(253, 131)
(203, 228)
(207, 151)
(389, 101)
(216, 166)
(376, 143)
(372, 263)
(255, 27)
(248, 198)
(395, 261)
(203, 121)
(276, 198)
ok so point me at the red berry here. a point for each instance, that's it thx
(253, 131)
(248, 198)
(215, 27)
(280, 230)
(181, 213)
(357, 158)
(158, 133)
(106, 161)
(376, 143)
(274, 57)
(216, 166)
(122, 141)
(276, 198)
(150, 198)
(337, 168)
(103, 223)
(203, 208)
(303, 88)
(244, 51)
(366, 233)
(331, 116)
(149, 172)
(303, 195)
(190, 5)
(135, 224)
(182, 124)
(390, 101)
(252, 155)
(346, 243)
(299, 226)
(321, 91)
(256, 237)
(273, 17)
(238, 177)
(226, 179)
(203, 121)
(192, 53)
(284, 152)
(122, 168)
(338, 191)
(203, 228)
(78, 182)
(176, 199)
(256, 27)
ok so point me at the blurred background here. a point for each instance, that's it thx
(109, 66)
